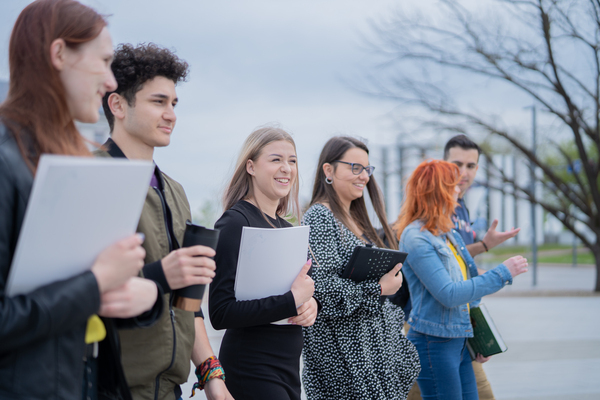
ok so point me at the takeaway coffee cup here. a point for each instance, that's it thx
(190, 298)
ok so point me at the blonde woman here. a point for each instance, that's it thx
(261, 360)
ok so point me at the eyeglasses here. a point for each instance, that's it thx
(357, 168)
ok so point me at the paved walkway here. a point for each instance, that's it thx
(553, 335)
(553, 348)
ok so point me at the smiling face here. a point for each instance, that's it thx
(273, 173)
(467, 162)
(149, 122)
(86, 76)
(348, 186)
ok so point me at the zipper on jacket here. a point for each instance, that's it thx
(157, 382)
(164, 208)
(171, 311)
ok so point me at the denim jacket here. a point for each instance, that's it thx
(438, 292)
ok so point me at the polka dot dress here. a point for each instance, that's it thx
(355, 349)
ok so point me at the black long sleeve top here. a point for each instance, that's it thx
(225, 312)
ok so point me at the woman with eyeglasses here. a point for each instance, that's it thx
(355, 349)
(444, 282)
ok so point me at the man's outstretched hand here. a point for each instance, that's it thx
(493, 238)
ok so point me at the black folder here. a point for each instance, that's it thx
(371, 263)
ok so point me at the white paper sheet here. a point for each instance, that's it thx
(78, 206)
(269, 261)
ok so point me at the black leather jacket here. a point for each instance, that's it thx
(42, 344)
(41, 333)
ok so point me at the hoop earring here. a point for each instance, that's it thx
(328, 180)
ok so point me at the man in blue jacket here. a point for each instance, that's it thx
(463, 152)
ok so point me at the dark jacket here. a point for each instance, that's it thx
(41, 333)
(156, 360)
(42, 345)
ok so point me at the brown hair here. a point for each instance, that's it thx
(240, 186)
(334, 150)
(429, 197)
(36, 104)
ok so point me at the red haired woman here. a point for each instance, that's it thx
(59, 56)
(443, 282)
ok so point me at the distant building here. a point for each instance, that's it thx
(97, 132)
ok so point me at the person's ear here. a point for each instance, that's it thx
(117, 104)
(250, 167)
(328, 170)
(58, 49)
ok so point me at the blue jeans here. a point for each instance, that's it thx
(446, 369)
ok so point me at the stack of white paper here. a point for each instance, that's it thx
(269, 261)
(78, 207)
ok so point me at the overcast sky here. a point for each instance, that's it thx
(253, 63)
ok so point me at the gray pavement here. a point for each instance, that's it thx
(552, 332)
(553, 348)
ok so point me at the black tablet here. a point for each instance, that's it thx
(371, 263)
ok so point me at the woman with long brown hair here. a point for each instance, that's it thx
(261, 359)
(59, 57)
(355, 349)
(443, 282)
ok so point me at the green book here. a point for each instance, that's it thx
(486, 339)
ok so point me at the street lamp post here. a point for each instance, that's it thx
(534, 248)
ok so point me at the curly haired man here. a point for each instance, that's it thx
(141, 115)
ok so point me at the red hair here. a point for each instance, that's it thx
(430, 197)
(36, 104)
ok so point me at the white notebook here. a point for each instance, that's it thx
(78, 207)
(269, 261)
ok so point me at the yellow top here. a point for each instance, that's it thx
(461, 263)
(96, 331)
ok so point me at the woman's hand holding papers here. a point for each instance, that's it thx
(307, 314)
(119, 262)
(303, 286)
(129, 300)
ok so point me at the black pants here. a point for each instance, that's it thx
(262, 362)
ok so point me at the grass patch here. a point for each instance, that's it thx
(586, 258)
(512, 250)
(498, 255)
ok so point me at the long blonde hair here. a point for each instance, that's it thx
(240, 186)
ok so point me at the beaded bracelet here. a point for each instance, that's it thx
(210, 369)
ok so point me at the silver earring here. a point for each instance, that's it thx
(328, 180)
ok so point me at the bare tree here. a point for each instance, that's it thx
(549, 52)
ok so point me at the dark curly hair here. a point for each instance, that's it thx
(133, 66)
